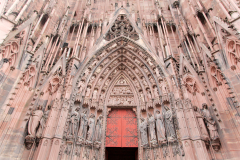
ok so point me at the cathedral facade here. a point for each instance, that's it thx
(119, 79)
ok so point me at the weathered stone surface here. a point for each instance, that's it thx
(176, 64)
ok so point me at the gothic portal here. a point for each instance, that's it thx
(119, 79)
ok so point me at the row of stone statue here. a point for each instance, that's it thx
(79, 126)
(84, 128)
(159, 129)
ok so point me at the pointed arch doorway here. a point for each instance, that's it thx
(121, 135)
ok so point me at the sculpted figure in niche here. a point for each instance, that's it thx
(95, 94)
(34, 122)
(136, 70)
(141, 96)
(107, 70)
(98, 70)
(211, 124)
(80, 85)
(144, 82)
(102, 95)
(156, 72)
(83, 127)
(169, 125)
(149, 61)
(92, 79)
(136, 83)
(98, 134)
(107, 82)
(87, 72)
(91, 126)
(202, 127)
(143, 131)
(151, 123)
(100, 81)
(155, 92)
(161, 134)
(151, 79)
(88, 91)
(145, 69)
(149, 96)
(99, 128)
(73, 123)
(163, 87)
(43, 122)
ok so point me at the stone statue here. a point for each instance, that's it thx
(161, 134)
(73, 123)
(80, 85)
(98, 133)
(94, 94)
(34, 121)
(99, 128)
(151, 123)
(102, 96)
(91, 128)
(155, 92)
(211, 124)
(88, 91)
(163, 87)
(43, 122)
(143, 130)
(202, 127)
(149, 94)
(205, 111)
(142, 96)
(152, 126)
(169, 124)
(83, 127)
(157, 72)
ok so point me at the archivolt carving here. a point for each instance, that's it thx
(101, 71)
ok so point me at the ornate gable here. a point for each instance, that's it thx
(121, 26)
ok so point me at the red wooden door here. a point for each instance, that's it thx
(121, 128)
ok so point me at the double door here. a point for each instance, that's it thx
(121, 128)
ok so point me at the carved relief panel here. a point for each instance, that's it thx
(121, 94)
